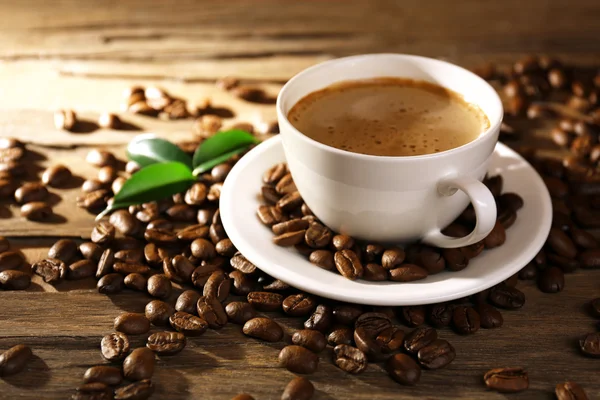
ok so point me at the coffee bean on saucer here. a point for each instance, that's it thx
(507, 380)
(349, 359)
(407, 273)
(375, 272)
(348, 264)
(298, 388)
(456, 260)
(570, 391)
(275, 173)
(403, 369)
(318, 236)
(14, 360)
(289, 238)
(286, 185)
(496, 237)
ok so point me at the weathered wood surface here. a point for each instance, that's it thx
(82, 55)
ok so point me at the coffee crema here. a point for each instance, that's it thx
(388, 117)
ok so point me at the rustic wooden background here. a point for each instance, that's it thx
(82, 55)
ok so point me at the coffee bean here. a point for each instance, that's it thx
(507, 380)
(561, 243)
(159, 286)
(14, 360)
(496, 237)
(220, 172)
(239, 312)
(341, 242)
(506, 297)
(276, 285)
(392, 257)
(93, 201)
(10, 260)
(440, 315)
(286, 185)
(431, 260)
(65, 120)
(179, 269)
(242, 283)
(323, 259)
(187, 302)
(311, 339)
(263, 328)
(274, 174)
(203, 249)
(31, 192)
(217, 285)
(10, 142)
(583, 238)
(110, 284)
(160, 236)
(292, 225)
(139, 364)
(374, 272)
(11, 279)
(490, 317)
(299, 360)
(413, 315)
(342, 335)
(570, 391)
(105, 264)
(466, 320)
(551, 280)
(158, 312)
(298, 388)
(128, 268)
(419, 338)
(507, 217)
(349, 359)
(132, 323)
(243, 396)
(437, 354)
(103, 233)
(57, 176)
(289, 239)
(188, 324)
(347, 314)
(135, 281)
(105, 374)
(212, 311)
(320, 320)
(317, 236)
(456, 260)
(348, 264)
(92, 185)
(408, 273)
(100, 158)
(140, 390)
(90, 251)
(390, 339)
(130, 256)
(166, 343)
(36, 211)
(7, 188)
(93, 391)
(528, 272)
(590, 258)
(590, 345)
(265, 301)
(270, 215)
(51, 270)
(403, 369)
(299, 305)
(372, 322)
(270, 195)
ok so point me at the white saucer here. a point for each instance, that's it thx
(240, 200)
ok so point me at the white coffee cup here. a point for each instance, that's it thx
(393, 199)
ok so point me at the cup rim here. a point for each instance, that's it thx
(494, 125)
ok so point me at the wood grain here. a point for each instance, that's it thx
(69, 54)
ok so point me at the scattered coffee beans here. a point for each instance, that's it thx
(507, 380)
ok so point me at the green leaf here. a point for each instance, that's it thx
(221, 144)
(148, 149)
(205, 166)
(154, 182)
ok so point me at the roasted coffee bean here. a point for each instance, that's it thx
(242, 284)
(318, 236)
(196, 194)
(100, 158)
(204, 216)
(322, 259)
(570, 391)
(403, 369)
(110, 284)
(207, 125)
(90, 251)
(94, 200)
(431, 260)
(166, 343)
(507, 380)
(496, 237)
(342, 335)
(274, 174)
(140, 390)
(507, 297)
(341, 242)
(490, 317)
(590, 258)
(14, 360)
(128, 268)
(187, 302)
(311, 339)
(373, 323)
(181, 213)
(419, 338)
(407, 273)
(240, 263)
(225, 248)
(51, 270)
(81, 269)
(93, 391)
(286, 185)
(292, 225)
(105, 374)
(92, 185)
(220, 172)
(105, 264)
(131, 256)
(374, 272)
(456, 260)
(109, 121)
(270, 195)
(276, 285)
(437, 354)
(7, 188)
(494, 184)
(10, 260)
(320, 320)
(243, 396)
(158, 312)
(201, 274)
(390, 339)
(265, 301)
(139, 364)
(392, 257)
(30, 192)
(560, 137)
(135, 281)
(298, 388)
(413, 315)
(583, 238)
(36, 211)
(159, 286)
(239, 312)
(203, 249)
(289, 239)
(124, 222)
(299, 305)
(103, 233)
(590, 345)
(349, 359)
(217, 285)
(561, 243)
(114, 346)
(466, 320)
(160, 236)
(212, 311)
(348, 264)
(270, 215)
(65, 119)
(299, 360)
(263, 328)
(439, 315)
(507, 217)
(132, 323)
(551, 280)
(153, 255)
(347, 314)
(179, 269)
(528, 272)
(188, 324)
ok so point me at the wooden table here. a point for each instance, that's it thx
(82, 55)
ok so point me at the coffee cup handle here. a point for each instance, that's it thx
(483, 204)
